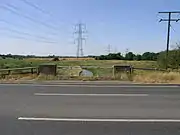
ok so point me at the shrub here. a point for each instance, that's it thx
(55, 59)
(173, 60)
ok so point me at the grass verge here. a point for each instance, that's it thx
(143, 77)
(157, 77)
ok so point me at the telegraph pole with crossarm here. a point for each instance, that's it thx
(169, 20)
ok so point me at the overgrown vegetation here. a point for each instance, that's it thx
(173, 60)
(15, 63)
(146, 60)
(157, 77)
(104, 62)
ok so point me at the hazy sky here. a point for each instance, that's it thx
(124, 24)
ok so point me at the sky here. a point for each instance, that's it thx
(131, 25)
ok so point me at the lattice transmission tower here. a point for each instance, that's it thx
(80, 30)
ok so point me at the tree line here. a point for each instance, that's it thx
(4, 56)
(151, 56)
(112, 56)
(172, 61)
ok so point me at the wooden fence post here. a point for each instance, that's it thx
(9, 72)
(32, 71)
(113, 71)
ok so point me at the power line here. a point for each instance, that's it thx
(38, 8)
(25, 38)
(178, 15)
(7, 22)
(158, 17)
(169, 20)
(9, 8)
(35, 6)
(37, 21)
(18, 25)
(80, 30)
(25, 33)
(176, 33)
(172, 28)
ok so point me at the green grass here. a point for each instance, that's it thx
(15, 63)
(99, 73)
(71, 71)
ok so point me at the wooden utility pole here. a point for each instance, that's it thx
(169, 20)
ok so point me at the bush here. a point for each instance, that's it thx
(55, 59)
(173, 61)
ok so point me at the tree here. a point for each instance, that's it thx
(102, 57)
(119, 56)
(111, 56)
(150, 56)
(129, 56)
(138, 57)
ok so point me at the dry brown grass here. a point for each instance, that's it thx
(17, 78)
(139, 77)
(38, 59)
(50, 59)
(77, 59)
(158, 77)
(72, 71)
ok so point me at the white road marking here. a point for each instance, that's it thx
(91, 85)
(102, 120)
(100, 95)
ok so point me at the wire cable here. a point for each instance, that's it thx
(18, 9)
(176, 33)
(38, 8)
(10, 8)
(18, 25)
(25, 38)
(24, 33)
(35, 6)
(173, 28)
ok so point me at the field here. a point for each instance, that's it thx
(15, 63)
(70, 58)
(103, 70)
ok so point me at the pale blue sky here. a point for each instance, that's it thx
(124, 24)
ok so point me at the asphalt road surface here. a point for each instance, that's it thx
(89, 110)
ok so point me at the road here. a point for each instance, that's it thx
(34, 109)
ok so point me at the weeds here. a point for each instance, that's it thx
(157, 77)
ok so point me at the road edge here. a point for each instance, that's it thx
(104, 83)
